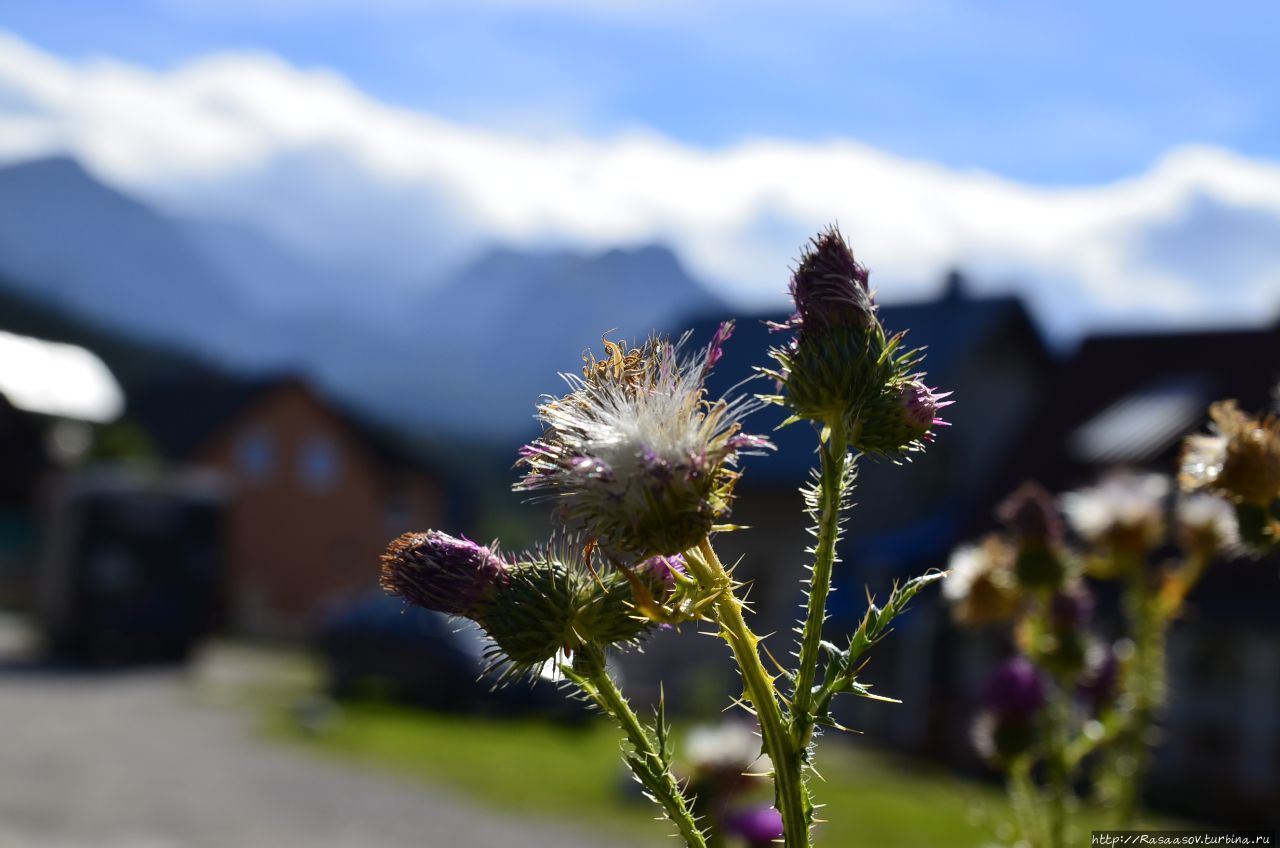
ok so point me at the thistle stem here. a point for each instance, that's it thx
(835, 456)
(1026, 802)
(1148, 661)
(1057, 773)
(792, 797)
(649, 762)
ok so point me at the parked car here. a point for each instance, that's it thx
(380, 645)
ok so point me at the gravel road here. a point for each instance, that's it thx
(133, 760)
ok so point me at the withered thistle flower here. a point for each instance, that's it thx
(980, 584)
(443, 573)
(1239, 459)
(1207, 524)
(636, 454)
(1121, 516)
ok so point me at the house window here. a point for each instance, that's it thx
(256, 455)
(319, 465)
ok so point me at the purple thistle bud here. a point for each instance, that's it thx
(1100, 684)
(439, 572)
(1015, 692)
(920, 407)
(663, 569)
(1070, 608)
(758, 826)
(1031, 514)
(829, 287)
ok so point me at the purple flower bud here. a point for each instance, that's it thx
(1101, 682)
(1031, 514)
(442, 573)
(759, 826)
(1015, 692)
(1071, 608)
(920, 407)
(663, 569)
(829, 287)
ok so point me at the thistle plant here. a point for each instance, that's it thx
(641, 464)
(1069, 707)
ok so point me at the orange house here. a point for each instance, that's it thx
(315, 495)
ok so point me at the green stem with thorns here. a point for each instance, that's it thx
(649, 758)
(830, 501)
(792, 796)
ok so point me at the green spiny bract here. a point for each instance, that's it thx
(554, 603)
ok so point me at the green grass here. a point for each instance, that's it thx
(542, 769)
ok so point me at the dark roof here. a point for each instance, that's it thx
(1109, 372)
(181, 416)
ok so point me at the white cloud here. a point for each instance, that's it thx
(305, 155)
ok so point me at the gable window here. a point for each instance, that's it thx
(256, 455)
(319, 464)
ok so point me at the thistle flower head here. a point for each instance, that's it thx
(554, 603)
(758, 827)
(1030, 514)
(1015, 691)
(1239, 458)
(1123, 514)
(636, 454)
(443, 573)
(1207, 524)
(1013, 698)
(980, 584)
(829, 287)
(661, 571)
(1070, 608)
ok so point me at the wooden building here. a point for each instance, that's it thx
(315, 494)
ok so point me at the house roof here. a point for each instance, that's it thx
(1130, 398)
(181, 416)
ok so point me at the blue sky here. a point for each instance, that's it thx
(1115, 164)
(1051, 94)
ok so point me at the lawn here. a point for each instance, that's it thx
(573, 772)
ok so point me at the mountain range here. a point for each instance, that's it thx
(469, 350)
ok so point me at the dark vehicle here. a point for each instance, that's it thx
(133, 566)
(380, 645)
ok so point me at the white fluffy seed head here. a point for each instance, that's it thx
(635, 452)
